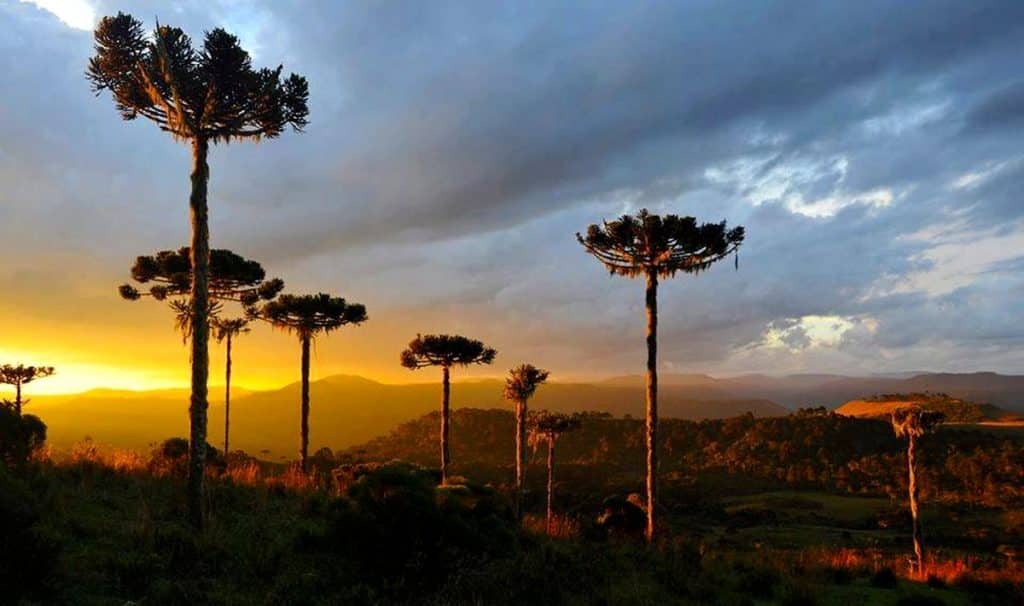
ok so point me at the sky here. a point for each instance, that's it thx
(871, 149)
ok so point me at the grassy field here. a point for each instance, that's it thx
(106, 528)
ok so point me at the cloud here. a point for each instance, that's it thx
(454, 150)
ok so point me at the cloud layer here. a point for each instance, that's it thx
(871, 149)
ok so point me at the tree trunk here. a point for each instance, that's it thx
(200, 258)
(652, 402)
(520, 455)
(551, 482)
(17, 398)
(914, 493)
(304, 448)
(446, 456)
(227, 399)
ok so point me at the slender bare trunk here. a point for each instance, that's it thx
(551, 483)
(200, 258)
(227, 398)
(914, 493)
(652, 402)
(17, 398)
(304, 448)
(446, 456)
(520, 455)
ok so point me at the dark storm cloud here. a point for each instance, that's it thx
(456, 147)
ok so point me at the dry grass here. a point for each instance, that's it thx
(947, 568)
(562, 526)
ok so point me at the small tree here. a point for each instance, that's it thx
(913, 422)
(521, 384)
(308, 316)
(657, 247)
(548, 427)
(20, 375)
(224, 331)
(202, 96)
(445, 351)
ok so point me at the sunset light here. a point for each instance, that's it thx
(395, 303)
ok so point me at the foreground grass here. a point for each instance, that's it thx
(110, 533)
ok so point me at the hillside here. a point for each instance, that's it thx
(345, 410)
(805, 450)
(955, 409)
(803, 390)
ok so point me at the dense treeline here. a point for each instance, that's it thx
(809, 449)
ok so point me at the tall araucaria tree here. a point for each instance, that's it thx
(224, 331)
(201, 96)
(17, 376)
(309, 316)
(655, 247)
(521, 384)
(913, 422)
(445, 351)
(548, 427)
(168, 274)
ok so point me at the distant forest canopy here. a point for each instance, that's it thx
(812, 448)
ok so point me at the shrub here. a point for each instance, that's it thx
(21, 436)
(884, 578)
(28, 555)
(404, 534)
(170, 457)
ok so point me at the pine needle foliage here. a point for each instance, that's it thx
(168, 273)
(633, 246)
(210, 92)
(445, 351)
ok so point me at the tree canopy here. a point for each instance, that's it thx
(635, 245)
(446, 351)
(914, 421)
(549, 426)
(308, 315)
(22, 375)
(209, 93)
(232, 277)
(522, 382)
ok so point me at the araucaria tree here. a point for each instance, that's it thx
(168, 274)
(308, 316)
(913, 422)
(548, 427)
(225, 330)
(203, 96)
(20, 375)
(445, 351)
(521, 384)
(653, 247)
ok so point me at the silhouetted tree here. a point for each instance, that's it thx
(20, 375)
(308, 316)
(913, 422)
(548, 427)
(168, 274)
(202, 96)
(654, 247)
(225, 330)
(521, 384)
(445, 351)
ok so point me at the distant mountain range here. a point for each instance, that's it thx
(348, 410)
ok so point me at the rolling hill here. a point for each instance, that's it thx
(345, 410)
(955, 409)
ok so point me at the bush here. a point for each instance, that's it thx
(20, 436)
(171, 458)
(28, 555)
(404, 534)
(884, 578)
